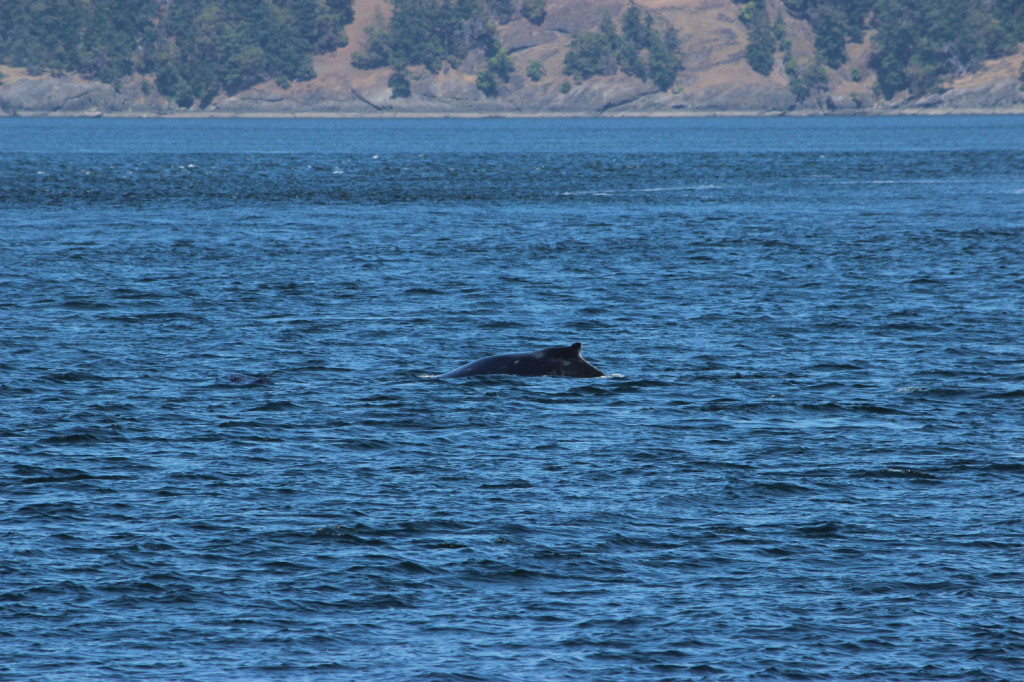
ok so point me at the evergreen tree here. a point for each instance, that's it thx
(534, 11)
(639, 50)
(590, 54)
(430, 33)
(664, 60)
(761, 42)
(634, 29)
(830, 37)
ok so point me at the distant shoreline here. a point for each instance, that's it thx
(895, 111)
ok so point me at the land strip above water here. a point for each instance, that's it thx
(576, 58)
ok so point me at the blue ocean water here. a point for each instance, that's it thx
(225, 454)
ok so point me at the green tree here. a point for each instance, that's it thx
(428, 33)
(607, 29)
(762, 41)
(399, 84)
(486, 82)
(664, 60)
(501, 64)
(848, 15)
(590, 54)
(502, 10)
(639, 50)
(761, 50)
(324, 21)
(376, 50)
(634, 29)
(631, 60)
(499, 68)
(534, 11)
(802, 82)
(830, 37)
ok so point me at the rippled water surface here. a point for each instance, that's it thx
(224, 453)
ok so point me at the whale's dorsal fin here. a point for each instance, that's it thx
(560, 361)
(564, 352)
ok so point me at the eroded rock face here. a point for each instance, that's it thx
(573, 16)
(269, 99)
(68, 95)
(997, 94)
(60, 95)
(455, 93)
(520, 35)
(601, 94)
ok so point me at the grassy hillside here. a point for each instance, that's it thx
(195, 49)
(522, 54)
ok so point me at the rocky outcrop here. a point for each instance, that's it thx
(572, 16)
(996, 88)
(60, 95)
(994, 94)
(269, 99)
(70, 95)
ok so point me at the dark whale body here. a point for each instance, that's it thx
(247, 380)
(564, 361)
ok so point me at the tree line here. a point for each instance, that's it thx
(638, 49)
(433, 33)
(917, 43)
(195, 48)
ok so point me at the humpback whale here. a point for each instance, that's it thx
(246, 380)
(563, 361)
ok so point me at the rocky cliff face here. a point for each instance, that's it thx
(716, 77)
